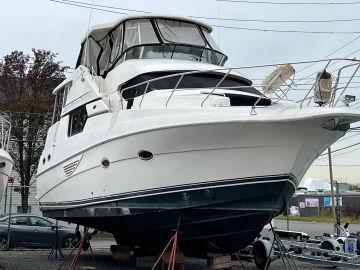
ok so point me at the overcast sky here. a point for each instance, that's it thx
(26, 24)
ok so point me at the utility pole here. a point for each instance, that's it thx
(338, 210)
(332, 190)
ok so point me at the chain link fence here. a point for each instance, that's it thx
(39, 231)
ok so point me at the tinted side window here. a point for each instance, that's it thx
(77, 121)
(199, 80)
(34, 221)
(19, 221)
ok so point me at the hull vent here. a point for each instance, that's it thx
(71, 167)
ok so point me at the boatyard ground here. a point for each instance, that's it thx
(37, 259)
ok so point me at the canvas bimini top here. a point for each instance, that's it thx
(148, 37)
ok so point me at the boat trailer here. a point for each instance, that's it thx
(326, 251)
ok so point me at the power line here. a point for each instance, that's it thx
(348, 137)
(343, 148)
(327, 56)
(325, 158)
(88, 7)
(332, 64)
(286, 30)
(102, 6)
(218, 18)
(337, 165)
(291, 3)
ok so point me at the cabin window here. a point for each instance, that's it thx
(58, 105)
(77, 120)
(60, 102)
(116, 39)
(148, 39)
(210, 40)
(180, 32)
(139, 32)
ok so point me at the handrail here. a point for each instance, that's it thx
(220, 82)
(146, 88)
(348, 83)
(305, 101)
(316, 81)
(233, 68)
(176, 86)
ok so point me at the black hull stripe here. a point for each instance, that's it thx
(170, 189)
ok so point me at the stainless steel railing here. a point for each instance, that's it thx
(303, 100)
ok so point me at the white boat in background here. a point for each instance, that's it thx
(151, 128)
(6, 162)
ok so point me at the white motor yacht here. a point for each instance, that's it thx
(6, 162)
(151, 128)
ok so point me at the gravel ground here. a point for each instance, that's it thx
(37, 260)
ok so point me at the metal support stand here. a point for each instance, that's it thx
(9, 220)
(55, 253)
(174, 249)
(284, 254)
(287, 217)
(84, 240)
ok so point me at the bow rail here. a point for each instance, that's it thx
(343, 71)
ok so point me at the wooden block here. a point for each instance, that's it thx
(179, 257)
(219, 261)
(121, 256)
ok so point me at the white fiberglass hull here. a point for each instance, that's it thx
(185, 156)
(6, 165)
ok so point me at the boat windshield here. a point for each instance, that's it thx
(149, 38)
(136, 86)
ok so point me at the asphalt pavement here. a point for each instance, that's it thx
(311, 228)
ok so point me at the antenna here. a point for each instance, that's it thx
(87, 36)
(218, 29)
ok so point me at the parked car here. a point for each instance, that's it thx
(34, 231)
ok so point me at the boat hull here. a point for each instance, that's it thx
(6, 165)
(182, 156)
(224, 178)
(223, 216)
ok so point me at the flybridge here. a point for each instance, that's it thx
(148, 37)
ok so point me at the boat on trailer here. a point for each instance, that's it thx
(6, 162)
(151, 128)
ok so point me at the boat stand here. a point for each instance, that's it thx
(286, 258)
(83, 242)
(174, 249)
(55, 253)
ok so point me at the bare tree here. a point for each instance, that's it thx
(26, 84)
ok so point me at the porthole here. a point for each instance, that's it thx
(49, 157)
(105, 162)
(145, 155)
(2, 165)
(43, 161)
